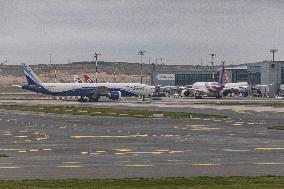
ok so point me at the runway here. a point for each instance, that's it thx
(50, 146)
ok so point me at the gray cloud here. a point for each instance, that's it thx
(182, 32)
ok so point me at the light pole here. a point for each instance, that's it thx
(212, 55)
(53, 66)
(96, 57)
(141, 53)
(273, 51)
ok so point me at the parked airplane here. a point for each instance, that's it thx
(77, 79)
(88, 79)
(87, 91)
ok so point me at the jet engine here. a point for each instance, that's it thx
(186, 93)
(115, 95)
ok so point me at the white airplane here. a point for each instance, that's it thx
(218, 89)
(87, 91)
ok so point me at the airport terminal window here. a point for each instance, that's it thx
(190, 78)
(254, 75)
(240, 75)
(282, 75)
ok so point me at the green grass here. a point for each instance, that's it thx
(106, 112)
(264, 182)
(277, 127)
(273, 104)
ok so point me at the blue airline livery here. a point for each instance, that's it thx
(87, 91)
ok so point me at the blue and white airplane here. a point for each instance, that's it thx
(87, 91)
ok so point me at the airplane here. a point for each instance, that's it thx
(88, 79)
(77, 79)
(87, 91)
(218, 89)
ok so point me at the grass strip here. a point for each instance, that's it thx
(277, 127)
(273, 104)
(261, 182)
(107, 112)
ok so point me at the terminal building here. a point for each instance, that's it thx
(268, 76)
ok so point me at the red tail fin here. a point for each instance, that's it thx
(88, 79)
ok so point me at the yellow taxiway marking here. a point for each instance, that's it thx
(69, 166)
(22, 151)
(205, 164)
(116, 136)
(138, 165)
(173, 152)
(119, 153)
(34, 150)
(7, 134)
(269, 149)
(46, 149)
(269, 163)
(21, 136)
(123, 150)
(162, 150)
(9, 167)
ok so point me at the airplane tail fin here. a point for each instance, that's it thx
(88, 79)
(32, 78)
(77, 79)
(223, 76)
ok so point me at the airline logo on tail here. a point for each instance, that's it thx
(77, 79)
(223, 76)
(88, 79)
(32, 78)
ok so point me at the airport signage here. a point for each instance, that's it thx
(165, 77)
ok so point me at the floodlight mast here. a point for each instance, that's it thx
(141, 53)
(273, 51)
(212, 55)
(96, 57)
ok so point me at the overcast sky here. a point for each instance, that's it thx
(181, 32)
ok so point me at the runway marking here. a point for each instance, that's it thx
(100, 151)
(231, 150)
(173, 152)
(138, 165)
(205, 164)
(10, 167)
(269, 163)
(7, 134)
(116, 136)
(21, 136)
(123, 150)
(237, 124)
(46, 149)
(69, 166)
(269, 149)
(162, 150)
(83, 153)
(34, 150)
(22, 151)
